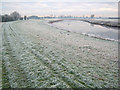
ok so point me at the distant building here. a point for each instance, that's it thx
(33, 17)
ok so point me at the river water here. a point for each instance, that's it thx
(88, 29)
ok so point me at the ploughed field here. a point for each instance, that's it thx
(35, 54)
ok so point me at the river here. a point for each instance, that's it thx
(88, 29)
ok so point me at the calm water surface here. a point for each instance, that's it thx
(88, 29)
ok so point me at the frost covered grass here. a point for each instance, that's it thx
(38, 55)
(0, 56)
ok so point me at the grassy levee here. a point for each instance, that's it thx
(45, 62)
(12, 38)
(37, 55)
(1, 56)
(5, 79)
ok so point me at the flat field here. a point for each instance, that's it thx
(35, 54)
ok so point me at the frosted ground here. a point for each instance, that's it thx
(0, 58)
(38, 55)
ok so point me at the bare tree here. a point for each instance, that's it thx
(25, 17)
(6, 18)
(15, 15)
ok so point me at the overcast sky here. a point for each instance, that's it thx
(61, 7)
(59, 0)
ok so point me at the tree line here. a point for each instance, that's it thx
(12, 17)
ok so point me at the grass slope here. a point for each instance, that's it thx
(37, 55)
